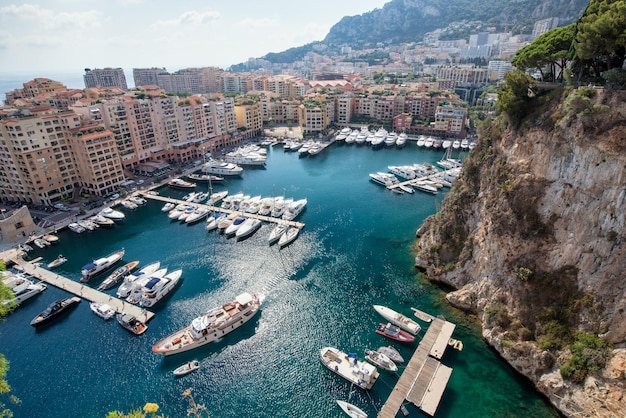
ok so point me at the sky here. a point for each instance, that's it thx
(54, 36)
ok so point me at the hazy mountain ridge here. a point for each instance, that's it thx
(408, 20)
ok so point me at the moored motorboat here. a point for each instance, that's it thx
(132, 324)
(127, 285)
(99, 265)
(381, 360)
(187, 368)
(212, 325)
(349, 367)
(158, 287)
(351, 410)
(178, 183)
(57, 262)
(136, 288)
(103, 310)
(391, 352)
(76, 228)
(22, 288)
(204, 178)
(398, 319)
(54, 310)
(167, 207)
(234, 226)
(102, 221)
(456, 344)
(221, 168)
(277, 232)
(118, 275)
(395, 333)
(51, 238)
(288, 237)
(249, 227)
(112, 214)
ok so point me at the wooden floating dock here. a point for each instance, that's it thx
(271, 219)
(81, 290)
(424, 379)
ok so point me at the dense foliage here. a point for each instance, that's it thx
(552, 50)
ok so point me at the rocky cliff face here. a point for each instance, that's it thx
(533, 237)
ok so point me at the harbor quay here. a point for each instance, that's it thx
(33, 269)
(271, 219)
(424, 379)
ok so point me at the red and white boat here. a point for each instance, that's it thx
(395, 333)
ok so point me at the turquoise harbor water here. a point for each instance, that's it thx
(355, 251)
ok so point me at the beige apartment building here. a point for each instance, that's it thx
(36, 159)
(97, 160)
(249, 115)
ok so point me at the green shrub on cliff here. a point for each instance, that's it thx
(589, 355)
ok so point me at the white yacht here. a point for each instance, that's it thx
(288, 237)
(99, 265)
(234, 226)
(157, 287)
(22, 287)
(76, 228)
(129, 205)
(245, 158)
(103, 310)
(112, 214)
(212, 325)
(456, 144)
(421, 141)
(277, 232)
(348, 366)
(428, 143)
(379, 137)
(198, 214)
(221, 168)
(294, 209)
(401, 141)
(249, 227)
(136, 288)
(127, 285)
(398, 319)
(391, 139)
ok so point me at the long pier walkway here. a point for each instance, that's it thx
(429, 177)
(424, 379)
(81, 290)
(271, 219)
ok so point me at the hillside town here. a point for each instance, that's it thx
(60, 142)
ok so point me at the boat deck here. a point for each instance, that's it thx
(81, 290)
(424, 379)
(270, 219)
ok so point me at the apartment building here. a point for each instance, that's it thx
(463, 75)
(34, 88)
(313, 117)
(106, 77)
(36, 159)
(249, 114)
(450, 120)
(98, 163)
(344, 110)
(147, 76)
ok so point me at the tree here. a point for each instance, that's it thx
(516, 94)
(601, 34)
(551, 49)
(5, 308)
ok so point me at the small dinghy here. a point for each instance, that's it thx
(187, 368)
(351, 410)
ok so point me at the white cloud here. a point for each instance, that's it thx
(250, 23)
(189, 18)
(48, 20)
